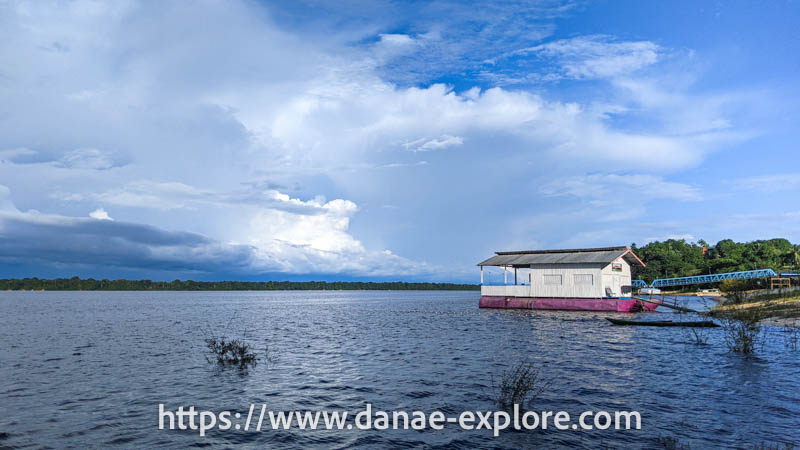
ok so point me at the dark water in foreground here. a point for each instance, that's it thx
(88, 369)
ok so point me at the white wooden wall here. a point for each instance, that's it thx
(568, 287)
(615, 280)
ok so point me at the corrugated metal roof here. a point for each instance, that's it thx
(569, 256)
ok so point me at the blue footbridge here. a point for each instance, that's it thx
(709, 278)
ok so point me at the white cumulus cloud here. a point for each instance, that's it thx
(100, 214)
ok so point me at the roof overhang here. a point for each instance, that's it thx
(632, 258)
(527, 258)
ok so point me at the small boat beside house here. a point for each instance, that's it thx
(586, 279)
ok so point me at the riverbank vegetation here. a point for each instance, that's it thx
(771, 309)
(742, 315)
(777, 307)
(90, 284)
(678, 258)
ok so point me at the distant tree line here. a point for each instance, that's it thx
(667, 259)
(678, 258)
(90, 284)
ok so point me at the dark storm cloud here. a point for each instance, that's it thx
(56, 240)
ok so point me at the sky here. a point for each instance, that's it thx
(378, 140)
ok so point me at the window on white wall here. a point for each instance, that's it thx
(552, 279)
(585, 279)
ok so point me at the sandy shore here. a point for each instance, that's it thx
(784, 312)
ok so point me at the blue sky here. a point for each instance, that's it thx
(386, 140)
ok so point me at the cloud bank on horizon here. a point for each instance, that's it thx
(375, 140)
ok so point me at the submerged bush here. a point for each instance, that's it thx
(228, 352)
(742, 329)
(696, 335)
(519, 386)
(235, 352)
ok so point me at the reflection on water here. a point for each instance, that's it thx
(89, 369)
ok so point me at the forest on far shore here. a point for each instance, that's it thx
(90, 284)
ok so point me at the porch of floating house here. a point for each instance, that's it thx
(571, 273)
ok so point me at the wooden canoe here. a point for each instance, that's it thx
(663, 323)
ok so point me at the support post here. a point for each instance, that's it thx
(505, 274)
(515, 276)
(481, 275)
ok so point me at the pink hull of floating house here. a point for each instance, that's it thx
(587, 279)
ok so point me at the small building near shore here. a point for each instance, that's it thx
(582, 273)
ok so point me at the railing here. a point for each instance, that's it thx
(497, 279)
(710, 278)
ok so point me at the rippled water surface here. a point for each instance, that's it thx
(88, 369)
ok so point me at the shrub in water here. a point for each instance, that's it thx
(519, 386)
(698, 336)
(235, 352)
(742, 329)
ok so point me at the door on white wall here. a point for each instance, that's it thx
(616, 285)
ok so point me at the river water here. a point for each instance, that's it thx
(88, 369)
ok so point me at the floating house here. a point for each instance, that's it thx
(584, 279)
